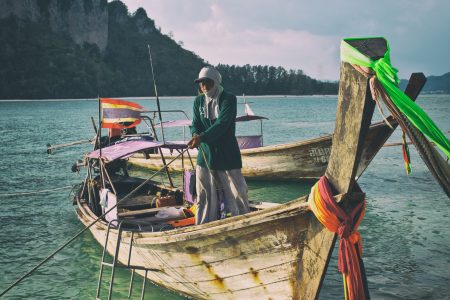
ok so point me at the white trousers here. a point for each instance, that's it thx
(220, 186)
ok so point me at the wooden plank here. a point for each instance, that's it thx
(141, 212)
(415, 84)
(353, 117)
(137, 201)
(352, 121)
(155, 220)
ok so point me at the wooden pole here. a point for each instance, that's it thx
(354, 113)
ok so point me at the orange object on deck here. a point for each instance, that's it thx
(183, 222)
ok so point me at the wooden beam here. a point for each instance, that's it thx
(415, 84)
(353, 118)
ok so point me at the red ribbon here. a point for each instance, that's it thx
(349, 239)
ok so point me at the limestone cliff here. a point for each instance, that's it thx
(83, 20)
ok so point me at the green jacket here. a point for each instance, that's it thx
(218, 139)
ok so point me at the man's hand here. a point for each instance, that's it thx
(194, 142)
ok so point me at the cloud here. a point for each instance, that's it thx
(288, 48)
(300, 34)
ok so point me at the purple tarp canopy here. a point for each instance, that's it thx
(124, 149)
(128, 148)
(175, 145)
(249, 118)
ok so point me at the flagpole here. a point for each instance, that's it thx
(99, 135)
(156, 94)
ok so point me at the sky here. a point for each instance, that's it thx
(306, 34)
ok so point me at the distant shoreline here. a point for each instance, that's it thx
(161, 98)
(186, 97)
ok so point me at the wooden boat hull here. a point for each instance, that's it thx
(276, 253)
(297, 160)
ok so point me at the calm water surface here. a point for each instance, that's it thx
(405, 232)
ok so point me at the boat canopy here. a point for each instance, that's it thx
(128, 148)
(246, 118)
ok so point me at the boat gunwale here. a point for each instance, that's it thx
(270, 148)
(303, 142)
(298, 206)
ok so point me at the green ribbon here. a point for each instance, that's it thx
(387, 75)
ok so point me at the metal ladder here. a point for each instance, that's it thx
(115, 263)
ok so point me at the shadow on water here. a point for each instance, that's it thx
(277, 192)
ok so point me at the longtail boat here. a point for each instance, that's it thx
(274, 252)
(304, 160)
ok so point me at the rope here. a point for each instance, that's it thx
(412, 119)
(437, 166)
(368, 73)
(336, 220)
(406, 155)
(387, 76)
(86, 228)
(36, 192)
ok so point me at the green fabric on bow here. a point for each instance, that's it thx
(387, 75)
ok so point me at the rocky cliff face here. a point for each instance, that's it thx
(83, 20)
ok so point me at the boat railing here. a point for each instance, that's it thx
(149, 117)
(118, 225)
(245, 141)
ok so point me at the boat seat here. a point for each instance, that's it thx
(146, 219)
(156, 220)
(143, 212)
(137, 202)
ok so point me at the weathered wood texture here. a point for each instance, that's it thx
(373, 141)
(303, 159)
(353, 118)
(255, 256)
(415, 85)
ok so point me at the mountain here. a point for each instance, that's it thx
(46, 53)
(438, 84)
(57, 49)
(434, 85)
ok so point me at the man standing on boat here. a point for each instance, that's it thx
(221, 187)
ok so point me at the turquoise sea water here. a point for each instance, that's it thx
(405, 232)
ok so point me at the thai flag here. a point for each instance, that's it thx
(119, 113)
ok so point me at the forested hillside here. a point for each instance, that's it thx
(63, 49)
